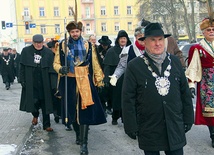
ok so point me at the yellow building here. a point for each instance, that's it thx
(99, 17)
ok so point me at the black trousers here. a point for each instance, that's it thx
(46, 117)
(175, 152)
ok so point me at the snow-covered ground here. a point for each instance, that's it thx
(7, 149)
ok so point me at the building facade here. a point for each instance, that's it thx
(99, 17)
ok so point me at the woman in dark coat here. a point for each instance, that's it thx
(110, 63)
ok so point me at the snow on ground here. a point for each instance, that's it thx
(7, 149)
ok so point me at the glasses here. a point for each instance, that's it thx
(209, 30)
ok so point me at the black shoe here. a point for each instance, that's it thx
(68, 128)
(83, 149)
(114, 122)
(56, 119)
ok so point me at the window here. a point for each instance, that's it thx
(116, 10)
(129, 25)
(26, 12)
(70, 13)
(56, 11)
(43, 29)
(116, 26)
(103, 27)
(88, 28)
(41, 11)
(57, 28)
(87, 12)
(129, 10)
(103, 10)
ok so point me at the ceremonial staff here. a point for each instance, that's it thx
(66, 79)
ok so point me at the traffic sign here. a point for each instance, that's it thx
(32, 25)
(8, 25)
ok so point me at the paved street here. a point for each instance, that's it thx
(18, 137)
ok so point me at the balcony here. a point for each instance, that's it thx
(87, 17)
(87, 1)
(27, 18)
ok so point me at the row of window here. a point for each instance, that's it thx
(70, 13)
(43, 28)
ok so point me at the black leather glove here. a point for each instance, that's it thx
(99, 89)
(23, 84)
(192, 90)
(106, 84)
(187, 127)
(64, 70)
(132, 135)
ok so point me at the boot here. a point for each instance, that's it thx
(211, 129)
(77, 131)
(83, 139)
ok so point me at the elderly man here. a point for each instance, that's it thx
(35, 63)
(201, 71)
(156, 100)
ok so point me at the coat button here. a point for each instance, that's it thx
(164, 102)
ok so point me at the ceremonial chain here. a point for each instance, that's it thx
(7, 61)
(162, 83)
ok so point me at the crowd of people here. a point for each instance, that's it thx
(142, 83)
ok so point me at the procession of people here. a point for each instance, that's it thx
(141, 83)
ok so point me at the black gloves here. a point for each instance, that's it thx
(99, 89)
(192, 90)
(187, 127)
(132, 135)
(106, 84)
(64, 70)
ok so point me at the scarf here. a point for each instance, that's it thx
(76, 53)
(157, 59)
(139, 46)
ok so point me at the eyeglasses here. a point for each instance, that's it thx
(209, 30)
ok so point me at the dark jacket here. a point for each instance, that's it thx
(7, 71)
(27, 67)
(159, 120)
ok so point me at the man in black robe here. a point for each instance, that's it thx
(35, 63)
(7, 68)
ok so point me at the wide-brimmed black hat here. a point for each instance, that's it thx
(153, 29)
(105, 40)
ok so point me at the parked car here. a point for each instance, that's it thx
(185, 50)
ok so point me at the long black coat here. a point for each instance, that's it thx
(158, 119)
(7, 71)
(27, 67)
(110, 64)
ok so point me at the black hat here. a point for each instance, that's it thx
(153, 29)
(105, 40)
(51, 44)
(5, 49)
(144, 22)
(38, 38)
